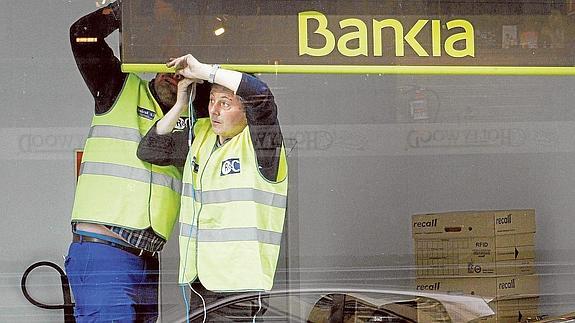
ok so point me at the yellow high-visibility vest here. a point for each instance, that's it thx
(231, 216)
(114, 186)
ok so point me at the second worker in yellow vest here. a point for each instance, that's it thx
(234, 191)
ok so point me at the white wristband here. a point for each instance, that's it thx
(213, 71)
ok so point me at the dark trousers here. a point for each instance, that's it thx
(237, 312)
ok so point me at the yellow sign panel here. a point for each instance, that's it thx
(367, 37)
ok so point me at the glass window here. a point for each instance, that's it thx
(429, 149)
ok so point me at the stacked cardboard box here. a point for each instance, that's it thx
(485, 253)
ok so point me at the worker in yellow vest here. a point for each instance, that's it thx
(234, 191)
(124, 208)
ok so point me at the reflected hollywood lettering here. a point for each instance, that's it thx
(511, 137)
(305, 139)
(49, 143)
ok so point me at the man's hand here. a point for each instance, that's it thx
(185, 90)
(186, 87)
(189, 67)
(114, 8)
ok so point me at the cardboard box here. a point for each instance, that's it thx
(476, 256)
(430, 268)
(475, 243)
(512, 310)
(487, 287)
(493, 248)
(567, 317)
(422, 310)
(358, 309)
(519, 317)
(451, 225)
(512, 307)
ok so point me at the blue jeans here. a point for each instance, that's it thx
(112, 285)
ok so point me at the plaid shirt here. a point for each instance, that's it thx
(141, 239)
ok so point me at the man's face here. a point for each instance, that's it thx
(226, 112)
(166, 86)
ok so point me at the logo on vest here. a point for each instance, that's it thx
(230, 166)
(145, 113)
(195, 165)
(180, 124)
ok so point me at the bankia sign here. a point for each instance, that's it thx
(271, 34)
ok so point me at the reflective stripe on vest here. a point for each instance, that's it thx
(231, 234)
(236, 194)
(114, 132)
(133, 173)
